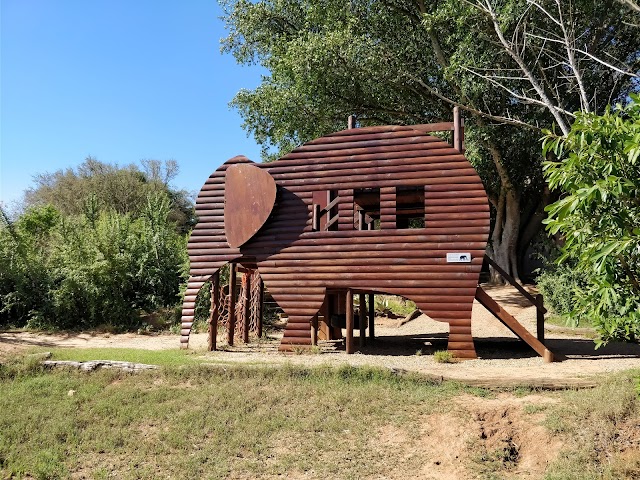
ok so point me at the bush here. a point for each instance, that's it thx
(559, 285)
(444, 356)
(599, 215)
(82, 271)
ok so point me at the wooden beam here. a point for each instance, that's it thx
(316, 217)
(512, 324)
(232, 303)
(214, 315)
(458, 130)
(372, 316)
(362, 321)
(540, 317)
(330, 205)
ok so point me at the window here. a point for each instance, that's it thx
(410, 207)
(325, 210)
(366, 203)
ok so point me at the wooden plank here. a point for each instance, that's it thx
(540, 317)
(250, 194)
(362, 319)
(512, 324)
(232, 304)
(349, 313)
(512, 281)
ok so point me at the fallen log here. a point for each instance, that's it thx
(92, 365)
(412, 316)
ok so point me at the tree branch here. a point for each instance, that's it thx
(468, 108)
(631, 4)
(487, 7)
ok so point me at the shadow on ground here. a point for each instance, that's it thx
(497, 347)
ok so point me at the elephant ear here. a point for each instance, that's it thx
(249, 197)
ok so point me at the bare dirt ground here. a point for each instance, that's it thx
(503, 359)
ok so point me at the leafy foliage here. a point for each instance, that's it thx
(79, 271)
(559, 285)
(398, 62)
(599, 215)
(97, 185)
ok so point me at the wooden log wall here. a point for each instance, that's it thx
(298, 264)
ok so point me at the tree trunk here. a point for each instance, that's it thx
(532, 224)
(504, 239)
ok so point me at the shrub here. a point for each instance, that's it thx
(101, 268)
(559, 285)
(444, 356)
(599, 215)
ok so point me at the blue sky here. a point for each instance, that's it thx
(119, 80)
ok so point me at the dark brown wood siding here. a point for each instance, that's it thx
(299, 264)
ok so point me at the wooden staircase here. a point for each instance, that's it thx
(512, 324)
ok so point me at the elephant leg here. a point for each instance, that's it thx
(297, 334)
(188, 308)
(460, 338)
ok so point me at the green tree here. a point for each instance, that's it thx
(24, 275)
(122, 189)
(599, 215)
(512, 66)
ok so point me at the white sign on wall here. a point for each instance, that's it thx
(458, 257)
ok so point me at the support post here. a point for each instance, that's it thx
(362, 321)
(246, 285)
(261, 306)
(232, 303)
(316, 217)
(351, 122)
(361, 224)
(458, 130)
(349, 313)
(314, 330)
(372, 316)
(540, 317)
(214, 315)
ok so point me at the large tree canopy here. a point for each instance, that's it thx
(513, 66)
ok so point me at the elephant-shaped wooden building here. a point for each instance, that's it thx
(383, 209)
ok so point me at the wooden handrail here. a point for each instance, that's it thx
(513, 282)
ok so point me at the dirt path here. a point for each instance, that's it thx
(503, 359)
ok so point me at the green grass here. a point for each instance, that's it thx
(203, 422)
(561, 321)
(398, 306)
(444, 356)
(167, 358)
(188, 420)
(602, 426)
